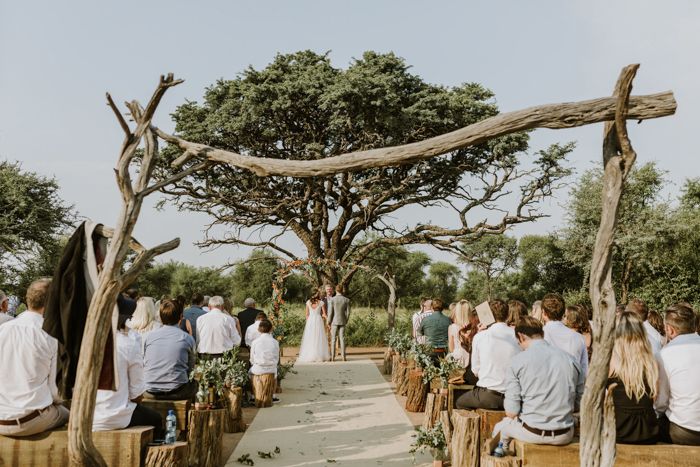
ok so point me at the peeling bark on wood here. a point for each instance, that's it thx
(465, 439)
(416, 391)
(167, 455)
(205, 436)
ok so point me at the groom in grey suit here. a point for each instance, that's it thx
(338, 316)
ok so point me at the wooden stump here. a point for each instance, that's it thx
(402, 379)
(489, 418)
(263, 389)
(465, 438)
(167, 455)
(204, 437)
(446, 428)
(395, 361)
(487, 460)
(388, 361)
(233, 422)
(434, 404)
(416, 392)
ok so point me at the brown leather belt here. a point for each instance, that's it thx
(19, 421)
(539, 432)
(439, 350)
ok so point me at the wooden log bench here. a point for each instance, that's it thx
(167, 455)
(180, 407)
(205, 437)
(119, 448)
(628, 455)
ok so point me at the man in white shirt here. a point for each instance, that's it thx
(253, 332)
(29, 401)
(4, 307)
(640, 309)
(558, 335)
(679, 378)
(264, 351)
(216, 331)
(492, 351)
(418, 317)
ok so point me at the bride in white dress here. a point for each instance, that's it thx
(314, 342)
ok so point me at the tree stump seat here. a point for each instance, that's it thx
(180, 407)
(167, 455)
(205, 437)
(628, 455)
(451, 393)
(119, 448)
(263, 389)
(488, 419)
(233, 422)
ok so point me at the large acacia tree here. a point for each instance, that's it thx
(300, 107)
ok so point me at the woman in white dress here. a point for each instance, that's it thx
(460, 318)
(314, 342)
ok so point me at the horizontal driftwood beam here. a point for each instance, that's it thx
(564, 115)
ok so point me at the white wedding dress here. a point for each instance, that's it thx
(314, 342)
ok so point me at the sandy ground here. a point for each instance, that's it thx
(342, 412)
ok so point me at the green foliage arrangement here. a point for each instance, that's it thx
(430, 438)
(421, 353)
(219, 373)
(283, 369)
(443, 371)
(399, 341)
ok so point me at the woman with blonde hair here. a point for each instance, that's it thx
(460, 318)
(144, 318)
(633, 380)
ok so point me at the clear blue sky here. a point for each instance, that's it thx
(57, 59)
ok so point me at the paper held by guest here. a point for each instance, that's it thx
(485, 315)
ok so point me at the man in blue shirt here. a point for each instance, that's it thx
(543, 389)
(169, 357)
(193, 312)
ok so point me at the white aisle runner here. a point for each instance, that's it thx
(334, 414)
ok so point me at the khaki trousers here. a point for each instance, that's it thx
(51, 417)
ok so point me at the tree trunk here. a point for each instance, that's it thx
(465, 439)
(625, 281)
(204, 437)
(390, 281)
(263, 388)
(233, 423)
(618, 158)
(416, 392)
(388, 360)
(167, 455)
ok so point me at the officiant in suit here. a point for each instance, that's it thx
(338, 316)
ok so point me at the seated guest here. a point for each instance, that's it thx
(247, 316)
(119, 409)
(576, 318)
(29, 402)
(434, 327)
(144, 319)
(492, 351)
(169, 357)
(417, 319)
(466, 337)
(640, 308)
(216, 330)
(192, 314)
(536, 311)
(460, 319)
(228, 308)
(560, 336)
(253, 332)
(4, 307)
(543, 389)
(657, 322)
(633, 379)
(516, 310)
(679, 382)
(264, 351)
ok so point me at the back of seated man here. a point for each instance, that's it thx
(29, 401)
(264, 352)
(558, 335)
(217, 332)
(253, 332)
(169, 357)
(434, 328)
(119, 409)
(543, 389)
(492, 351)
(679, 378)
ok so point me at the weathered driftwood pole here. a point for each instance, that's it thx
(597, 427)
(112, 280)
(465, 439)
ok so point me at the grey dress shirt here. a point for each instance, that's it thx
(544, 386)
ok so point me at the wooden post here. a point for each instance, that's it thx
(618, 158)
(395, 361)
(263, 388)
(233, 422)
(446, 428)
(433, 408)
(465, 439)
(402, 378)
(388, 360)
(416, 392)
(167, 455)
(205, 436)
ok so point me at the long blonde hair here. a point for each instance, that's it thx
(144, 318)
(632, 360)
(462, 312)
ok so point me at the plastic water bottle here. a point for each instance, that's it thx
(170, 427)
(499, 451)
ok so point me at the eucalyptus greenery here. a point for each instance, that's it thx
(399, 341)
(429, 438)
(443, 371)
(219, 373)
(422, 354)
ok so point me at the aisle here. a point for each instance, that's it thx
(335, 414)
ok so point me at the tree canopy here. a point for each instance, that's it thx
(300, 107)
